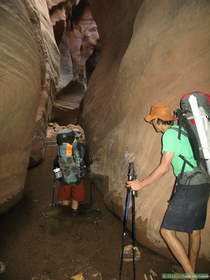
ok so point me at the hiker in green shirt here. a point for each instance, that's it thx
(187, 207)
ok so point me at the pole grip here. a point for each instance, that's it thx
(132, 175)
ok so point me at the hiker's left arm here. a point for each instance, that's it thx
(160, 171)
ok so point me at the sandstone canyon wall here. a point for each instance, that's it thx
(28, 75)
(152, 51)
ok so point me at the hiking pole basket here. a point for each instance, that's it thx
(130, 196)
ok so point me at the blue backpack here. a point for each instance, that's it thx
(70, 157)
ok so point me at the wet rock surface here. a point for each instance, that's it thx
(40, 242)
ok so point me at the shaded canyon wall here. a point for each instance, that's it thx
(28, 75)
(152, 51)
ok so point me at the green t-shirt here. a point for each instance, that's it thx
(171, 143)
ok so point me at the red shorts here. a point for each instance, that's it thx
(76, 192)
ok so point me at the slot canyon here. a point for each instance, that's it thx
(99, 65)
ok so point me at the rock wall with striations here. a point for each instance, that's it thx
(28, 74)
(152, 51)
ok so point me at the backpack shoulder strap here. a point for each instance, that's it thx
(76, 154)
(185, 161)
(180, 131)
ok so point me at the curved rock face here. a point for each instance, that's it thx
(50, 60)
(155, 53)
(28, 70)
(20, 87)
(83, 38)
(152, 51)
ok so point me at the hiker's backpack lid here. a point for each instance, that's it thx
(65, 136)
(203, 100)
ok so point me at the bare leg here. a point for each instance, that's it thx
(65, 202)
(194, 247)
(177, 249)
(75, 205)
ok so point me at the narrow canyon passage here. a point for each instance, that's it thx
(142, 52)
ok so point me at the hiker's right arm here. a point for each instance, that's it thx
(160, 171)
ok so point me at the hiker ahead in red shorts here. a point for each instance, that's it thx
(73, 160)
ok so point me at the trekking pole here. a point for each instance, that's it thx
(124, 233)
(131, 176)
(53, 194)
(133, 234)
(57, 175)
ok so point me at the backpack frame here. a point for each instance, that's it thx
(194, 116)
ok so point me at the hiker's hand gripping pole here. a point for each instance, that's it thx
(132, 175)
(132, 184)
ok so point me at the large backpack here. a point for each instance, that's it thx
(194, 117)
(70, 157)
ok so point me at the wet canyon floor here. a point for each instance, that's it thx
(39, 242)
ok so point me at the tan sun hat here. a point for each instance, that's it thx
(160, 111)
